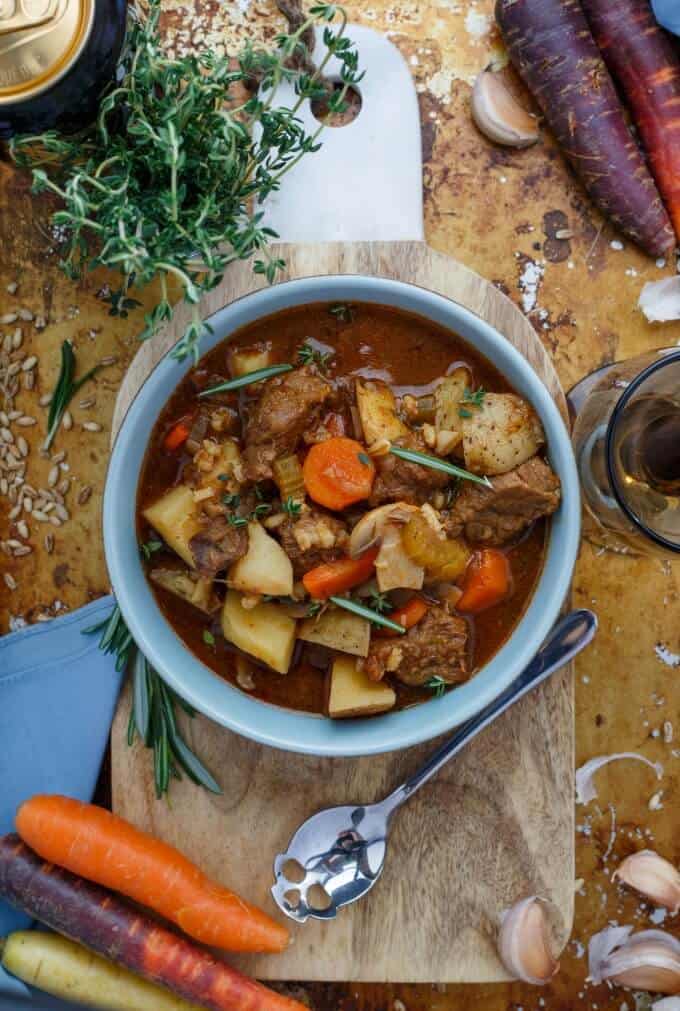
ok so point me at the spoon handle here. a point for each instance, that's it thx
(567, 638)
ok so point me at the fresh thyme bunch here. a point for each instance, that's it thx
(169, 179)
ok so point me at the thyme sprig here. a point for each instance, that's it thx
(153, 714)
(437, 686)
(170, 179)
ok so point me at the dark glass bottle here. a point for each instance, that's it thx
(56, 59)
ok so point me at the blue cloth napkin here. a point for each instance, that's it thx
(58, 693)
(668, 14)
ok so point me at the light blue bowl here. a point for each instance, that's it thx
(283, 728)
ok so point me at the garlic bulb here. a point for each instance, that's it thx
(523, 942)
(649, 960)
(498, 114)
(653, 877)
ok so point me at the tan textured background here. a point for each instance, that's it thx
(497, 211)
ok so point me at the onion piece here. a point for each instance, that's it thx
(585, 786)
(523, 942)
(652, 876)
(660, 300)
(649, 960)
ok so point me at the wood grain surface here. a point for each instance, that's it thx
(497, 211)
(430, 917)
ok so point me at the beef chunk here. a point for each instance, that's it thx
(436, 647)
(218, 545)
(287, 406)
(311, 539)
(399, 480)
(499, 514)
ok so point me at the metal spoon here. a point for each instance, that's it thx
(342, 849)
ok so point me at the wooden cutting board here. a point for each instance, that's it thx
(496, 825)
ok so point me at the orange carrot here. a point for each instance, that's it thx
(120, 932)
(337, 577)
(178, 435)
(98, 845)
(409, 615)
(486, 582)
(338, 472)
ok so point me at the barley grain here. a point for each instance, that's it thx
(17, 338)
(40, 323)
(45, 400)
(4, 420)
(29, 380)
(25, 549)
(84, 494)
(92, 426)
(26, 421)
(14, 512)
(13, 415)
(10, 581)
(22, 527)
(49, 543)
(6, 435)
(11, 288)
(3, 486)
(53, 476)
(8, 317)
(22, 446)
(67, 421)
(88, 402)
(30, 363)
(41, 516)
(110, 360)
(55, 520)
(25, 314)
(62, 512)
(58, 457)
(28, 505)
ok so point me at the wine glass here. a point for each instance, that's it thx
(626, 438)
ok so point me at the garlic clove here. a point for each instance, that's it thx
(667, 1004)
(655, 878)
(660, 300)
(649, 960)
(498, 114)
(523, 942)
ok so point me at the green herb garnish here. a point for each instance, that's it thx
(380, 602)
(309, 355)
(232, 501)
(314, 608)
(261, 510)
(153, 709)
(365, 459)
(208, 637)
(475, 398)
(437, 686)
(65, 390)
(250, 377)
(237, 521)
(292, 506)
(169, 180)
(343, 311)
(148, 548)
(368, 613)
(425, 460)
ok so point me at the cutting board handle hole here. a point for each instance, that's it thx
(293, 872)
(353, 103)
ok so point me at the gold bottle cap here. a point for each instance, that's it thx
(39, 42)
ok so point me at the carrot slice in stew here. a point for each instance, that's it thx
(177, 435)
(486, 582)
(338, 472)
(337, 577)
(408, 615)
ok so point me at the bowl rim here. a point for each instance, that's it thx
(292, 730)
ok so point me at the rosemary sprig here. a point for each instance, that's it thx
(170, 179)
(380, 602)
(368, 613)
(250, 377)
(65, 390)
(153, 714)
(425, 460)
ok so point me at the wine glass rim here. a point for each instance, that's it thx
(667, 357)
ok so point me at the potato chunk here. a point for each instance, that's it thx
(249, 360)
(264, 631)
(447, 399)
(378, 412)
(353, 694)
(501, 434)
(198, 592)
(265, 568)
(339, 630)
(175, 517)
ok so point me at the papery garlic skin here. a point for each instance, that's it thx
(649, 960)
(667, 1004)
(499, 115)
(523, 942)
(653, 876)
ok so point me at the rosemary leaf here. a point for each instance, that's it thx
(250, 377)
(65, 390)
(368, 613)
(425, 460)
